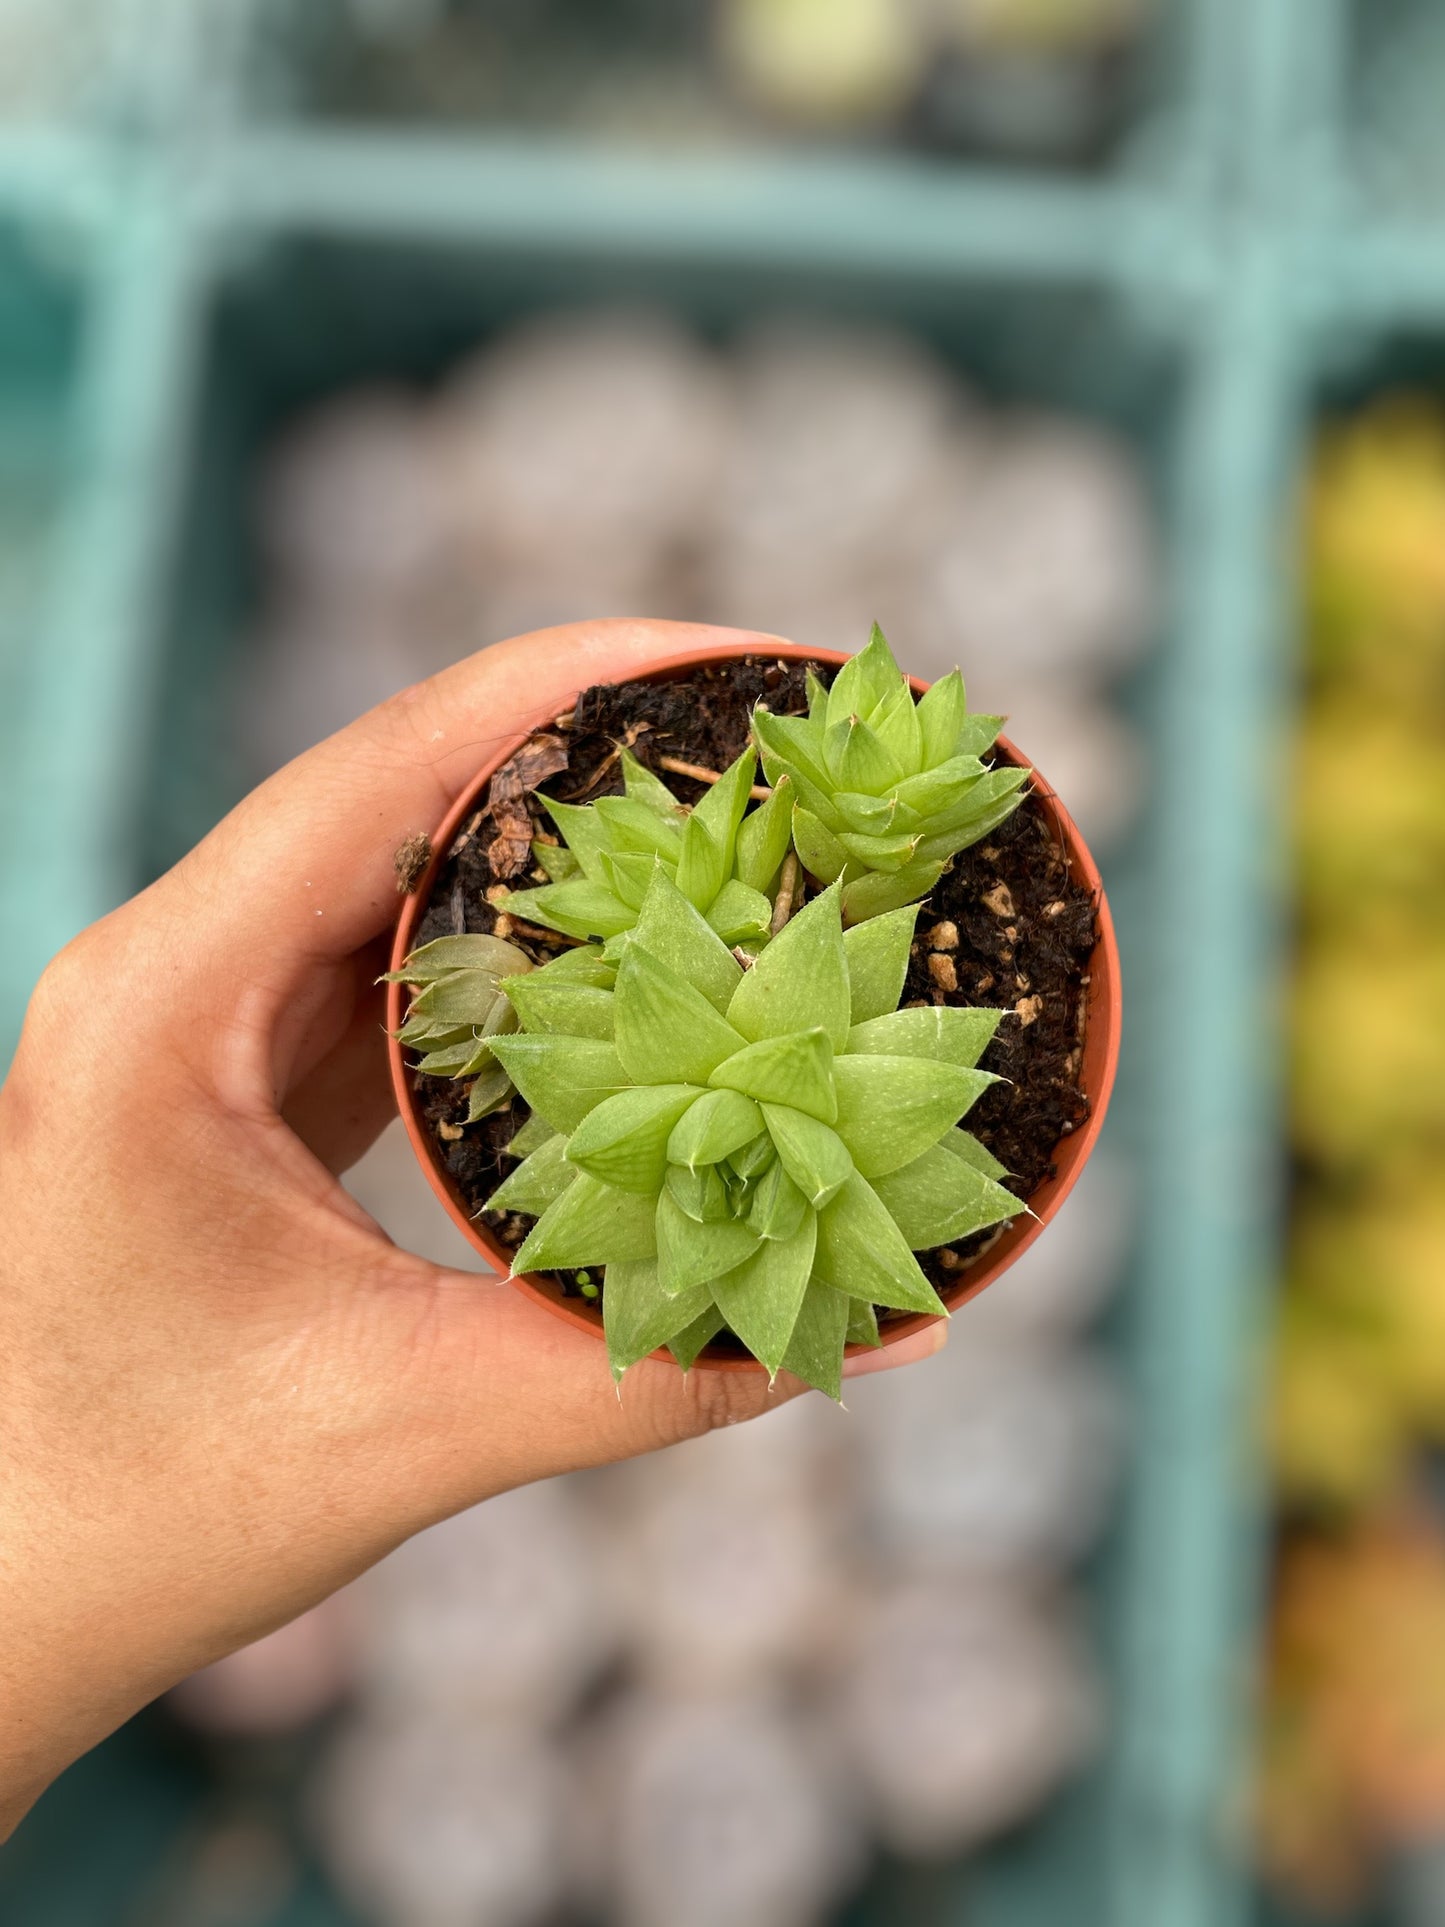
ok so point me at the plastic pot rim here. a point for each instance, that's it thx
(1103, 1020)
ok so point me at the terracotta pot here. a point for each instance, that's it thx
(1101, 1038)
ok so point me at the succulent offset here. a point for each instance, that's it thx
(459, 1010)
(722, 861)
(886, 790)
(764, 1149)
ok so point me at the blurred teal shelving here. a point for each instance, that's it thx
(223, 264)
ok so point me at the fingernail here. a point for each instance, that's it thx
(908, 1351)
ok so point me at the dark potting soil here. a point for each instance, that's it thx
(1009, 925)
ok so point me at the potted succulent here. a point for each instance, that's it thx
(689, 1054)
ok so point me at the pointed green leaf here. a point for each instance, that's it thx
(738, 913)
(815, 1351)
(943, 787)
(812, 1153)
(422, 1033)
(583, 964)
(962, 1144)
(703, 866)
(465, 997)
(875, 815)
(644, 787)
(666, 1032)
(877, 956)
(638, 1316)
(590, 1224)
(895, 723)
(537, 1182)
(763, 838)
(501, 1024)
(562, 1006)
(817, 697)
(719, 1123)
(628, 877)
(937, 1031)
(582, 908)
(756, 1156)
(635, 827)
(795, 742)
(701, 1195)
(995, 795)
(818, 802)
(862, 1251)
(938, 1197)
(691, 1254)
(889, 853)
(777, 1205)
(456, 1060)
(819, 850)
(800, 980)
(557, 860)
(466, 1057)
(689, 1342)
(672, 930)
(530, 1137)
(857, 758)
(583, 832)
(875, 893)
(890, 1109)
(979, 734)
(941, 714)
(866, 681)
(795, 1070)
(446, 955)
(761, 1299)
(491, 1089)
(863, 1324)
(562, 1077)
(721, 810)
(623, 1140)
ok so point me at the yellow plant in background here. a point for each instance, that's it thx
(1360, 1375)
(1367, 1030)
(1376, 563)
(1353, 1761)
(1371, 850)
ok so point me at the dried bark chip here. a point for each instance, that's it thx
(467, 833)
(410, 862)
(510, 850)
(537, 759)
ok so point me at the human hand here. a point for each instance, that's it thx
(223, 1391)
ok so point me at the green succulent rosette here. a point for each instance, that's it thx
(764, 1149)
(460, 1009)
(722, 860)
(886, 790)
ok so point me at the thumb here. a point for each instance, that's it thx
(511, 1394)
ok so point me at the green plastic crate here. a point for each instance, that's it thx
(40, 323)
(645, 72)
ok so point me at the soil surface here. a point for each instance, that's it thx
(1007, 926)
